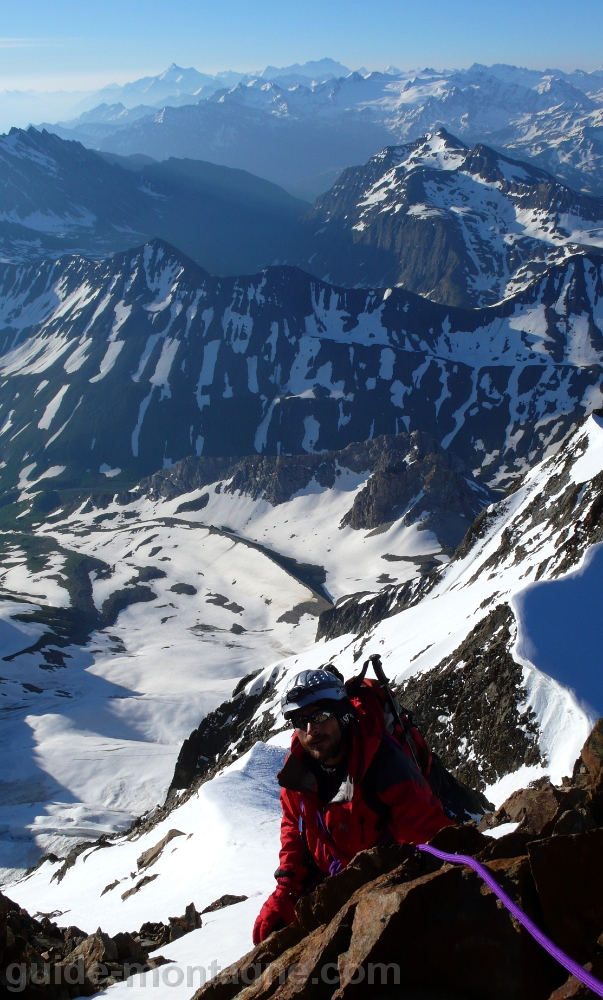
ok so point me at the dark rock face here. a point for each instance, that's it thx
(178, 363)
(285, 148)
(414, 476)
(435, 929)
(477, 691)
(226, 900)
(578, 521)
(358, 613)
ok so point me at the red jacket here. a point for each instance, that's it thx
(336, 831)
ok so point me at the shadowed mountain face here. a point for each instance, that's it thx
(462, 226)
(58, 197)
(284, 148)
(119, 367)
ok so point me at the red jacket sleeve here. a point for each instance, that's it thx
(291, 867)
(416, 813)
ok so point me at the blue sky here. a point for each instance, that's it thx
(86, 43)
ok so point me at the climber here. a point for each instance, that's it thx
(346, 786)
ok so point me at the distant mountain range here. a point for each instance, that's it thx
(174, 86)
(113, 369)
(177, 85)
(551, 117)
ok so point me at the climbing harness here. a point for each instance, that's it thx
(568, 963)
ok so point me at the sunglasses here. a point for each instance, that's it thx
(316, 718)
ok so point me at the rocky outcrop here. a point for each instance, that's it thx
(412, 478)
(415, 479)
(40, 960)
(358, 613)
(576, 806)
(427, 930)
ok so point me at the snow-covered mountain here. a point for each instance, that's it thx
(462, 226)
(115, 368)
(550, 117)
(315, 69)
(59, 197)
(177, 86)
(511, 621)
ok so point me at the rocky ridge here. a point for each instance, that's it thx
(411, 477)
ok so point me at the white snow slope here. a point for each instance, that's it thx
(230, 825)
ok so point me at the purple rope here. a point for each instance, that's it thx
(568, 963)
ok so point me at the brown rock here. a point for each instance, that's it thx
(594, 802)
(227, 984)
(480, 951)
(154, 934)
(512, 845)
(320, 906)
(225, 900)
(461, 839)
(149, 857)
(573, 989)
(97, 947)
(301, 971)
(444, 932)
(128, 949)
(535, 809)
(190, 921)
(592, 752)
(139, 885)
(158, 960)
(568, 872)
